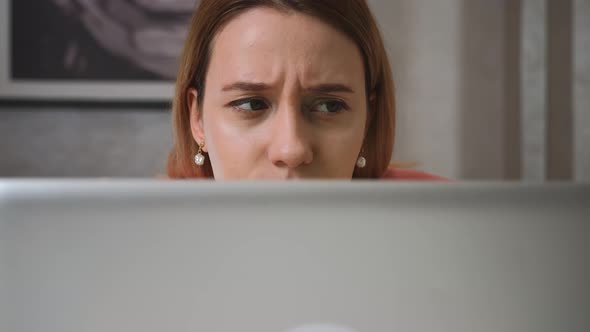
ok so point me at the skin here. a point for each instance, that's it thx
(284, 99)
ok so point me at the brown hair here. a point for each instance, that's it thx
(351, 17)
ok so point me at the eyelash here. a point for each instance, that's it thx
(236, 104)
(342, 106)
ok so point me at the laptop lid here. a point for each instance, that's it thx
(91, 255)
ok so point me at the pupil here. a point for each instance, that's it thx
(332, 106)
(256, 104)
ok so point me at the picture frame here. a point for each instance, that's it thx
(15, 86)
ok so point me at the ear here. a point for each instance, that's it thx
(370, 111)
(372, 98)
(196, 117)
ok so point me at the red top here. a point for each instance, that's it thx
(401, 174)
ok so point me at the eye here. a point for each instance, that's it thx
(250, 104)
(330, 107)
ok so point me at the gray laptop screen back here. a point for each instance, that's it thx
(196, 256)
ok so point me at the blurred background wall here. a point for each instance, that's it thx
(487, 89)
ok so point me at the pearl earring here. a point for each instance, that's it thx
(361, 162)
(200, 158)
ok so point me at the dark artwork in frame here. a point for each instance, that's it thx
(86, 45)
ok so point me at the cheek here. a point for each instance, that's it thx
(341, 146)
(230, 147)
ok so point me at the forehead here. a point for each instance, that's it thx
(267, 44)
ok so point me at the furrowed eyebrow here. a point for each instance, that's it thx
(330, 88)
(257, 87)
(247, 86)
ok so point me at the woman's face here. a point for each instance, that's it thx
(284, 99)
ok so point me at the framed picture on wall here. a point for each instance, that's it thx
(91, 50)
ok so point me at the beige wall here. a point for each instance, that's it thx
(448, 60)
(582, 90)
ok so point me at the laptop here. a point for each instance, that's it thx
(186, 256)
